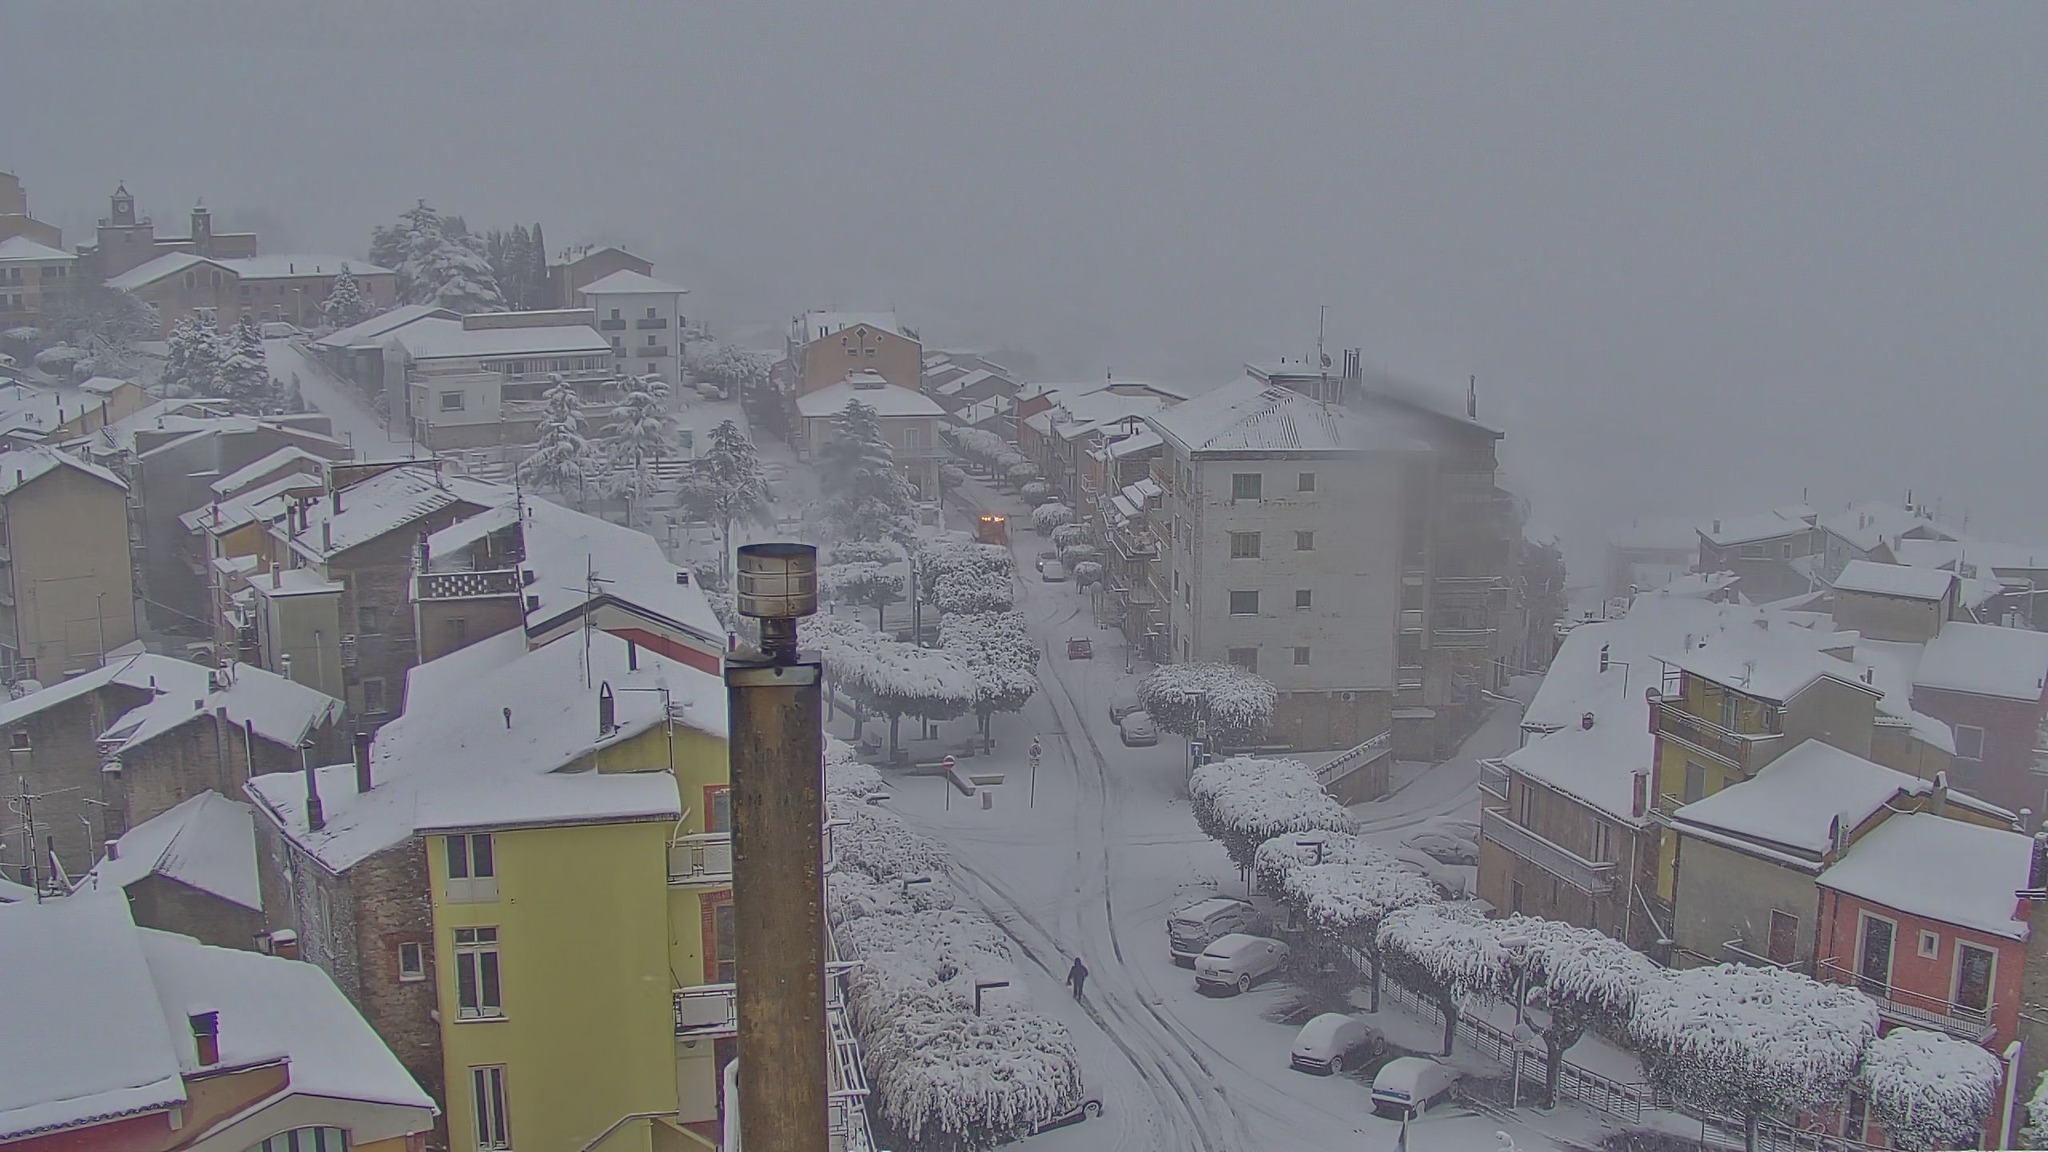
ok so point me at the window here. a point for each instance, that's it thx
(1603, 842)
(1695, 781)
(472, 868)
(718, 808)
(650, 313)
(1301, 657)
(1969, 742)
(1245, 658)
(488, 1088)
(1304, 541)
(1752, 552)
(1782, 947)
(1244, 486)
(721, 961)
(367, 621)
(451, 401)
(1176, 588)
(1303, 597)
(1529, 807)
(615, 314)
(306, 1140)
(1244, 603)
(1974, 969)
(1785, 550)
(1930, 944)
(1515, 896)
(18, 740)
(1244, 545)
(1731, 711)
(373, 695)
(412, 962)
(477, 992)
(1306, 482)
(1187, 594)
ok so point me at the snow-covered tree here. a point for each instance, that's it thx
(1047, 517)
(344, 304)
(1576, 977)
(731, 370)
(640, 433)
(1446, 954)
(1068, 535)
(1751, 1042)
(2034, 1133)
(1022, 472)
(438, 262)
(957, 1082)
(1342, 888)
(868, 499)
(1236, 703)
(87, 314)
(863, 552)
(862, 582)
(1086, 573)
(1244, 802)
(244, 378)
(1001, 656)
(960, 593)
(847, 778)
(562, 458)
(192, 367)
(977, 445)
(887, 678)
(519, 265)
(1035, 493)
(878, 843)
(1929, 1090)
(960, 553)
(726, 486)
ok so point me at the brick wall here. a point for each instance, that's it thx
(378, 576)
(2005, 774)
(61, 766)
(163, 903)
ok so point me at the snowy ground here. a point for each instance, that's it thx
(1091, 861)
(340, 401)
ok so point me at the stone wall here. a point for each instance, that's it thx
(163, 903)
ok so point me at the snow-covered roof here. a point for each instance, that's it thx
(887, 401)
(386, 502)
(186, 414)
(1986, 660)
(1133, 444)
(365, 333)
(1252, 417)
(627, 280)
(26, 464)
(43, 408)
(818, 325)
(1774, 663)
(208, 843)
(1876, 579)
(1946, 870)
(1892, 665)
(250, 473)
(145, 670)
(963, 381)
(280, 710)
(437, 339)
(1793, 800)
(150, 271)
(1752, 528)
(450, 762)
(285, 265)
(1866, 525)
(263, 502)
(23, 248)
(294, 582)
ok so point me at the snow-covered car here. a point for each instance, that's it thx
(1410, 1086)
(1191, 930)
(1080, 648)
(1122, 703)
(1137, 730)
(279, 330)
(1234, 963)
(1052, 572)
(1327, 1042)
(1444, 848)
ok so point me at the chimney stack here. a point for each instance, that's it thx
(284, 944)
(607, 710)
(362, 745)
(335, 499)
(316, 816)
(2037, 867)
(1641, 793)
(327, 534)
(276, 576)
(206, 1036)
(113, 849)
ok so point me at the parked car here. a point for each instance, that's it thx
(1045, 558)
(1325, 1043)
(279, 330)
(1410, 1086)
(1137, 730)
(1195, 927)
(1080, 648)
(1122, 703)
(1052, 572)
(1235, 962)
(1444, 848)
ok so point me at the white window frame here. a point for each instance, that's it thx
(472, 863)
(460, 398)
(1891, 967)
(493, 1117)
(1238, 484)
(416, 971)
(1962, 728)
(1305, 482)
(1250, 545)
(1232, 601)
(1304, 599)
(1955, 977)
(1301, 655)
(1305, 541)
(475, 949)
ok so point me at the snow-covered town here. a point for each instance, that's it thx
(472, 689)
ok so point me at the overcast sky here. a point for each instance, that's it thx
(1700, 258)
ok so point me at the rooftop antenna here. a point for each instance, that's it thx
(1472, 398)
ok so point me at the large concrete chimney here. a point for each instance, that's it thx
(206, 1036)
(362, 746)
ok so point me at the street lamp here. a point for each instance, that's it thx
(1518, 947)
(981, 986)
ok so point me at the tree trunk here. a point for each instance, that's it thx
(894, 719)
(1373, 954)
(725, 552)
(1449, 1008)
(1553, 1068)
(881, 606)
(1749, 1131)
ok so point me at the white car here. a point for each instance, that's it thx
(1410, 1086)
(1235, 962)
(1190, 931)
(1137, 730)
(1326, 1042)
(1052, 572)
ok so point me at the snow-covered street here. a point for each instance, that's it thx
(354, 421)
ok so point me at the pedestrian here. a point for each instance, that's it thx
(1078, 976)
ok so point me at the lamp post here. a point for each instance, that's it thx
(1518, 947)
(981, 986)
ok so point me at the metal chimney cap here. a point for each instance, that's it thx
(777, 581)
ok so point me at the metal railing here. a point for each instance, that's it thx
(707, 1010)
(1462, 638)
(1356, 757)
(1493, 778)
(1408, 676)
(651, 322)
(1736, 749)
(1905, 1006)
(1411, 620)
(465, 585)
(1590, 876)
(700, 858)
(611, 325)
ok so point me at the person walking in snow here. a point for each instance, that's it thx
(1077, 976)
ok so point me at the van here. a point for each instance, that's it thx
(1410, 1086)
(1195, 927)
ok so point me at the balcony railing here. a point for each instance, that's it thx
(645, 322)
(707, 1010)
(465, 585)
(651, 351)
(1905, 1006)
(611, 325)
(1589, 876)
(1356, 757)
(1493, 779)
(1411, 620)
(701, 858)
(1462, 638)
(1745, 751)
(1408, 676)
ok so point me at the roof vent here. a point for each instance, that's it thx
(1717, 527)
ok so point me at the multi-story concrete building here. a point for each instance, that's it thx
(909, 421)
(581, 266)
(16, 220)
(1646, 554)
(128, 240)
(479, 382)
(67, 596)
(31, 275)
(823, 348)
(643, 318)
(1990, 686)
(286, 287)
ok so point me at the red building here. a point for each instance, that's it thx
(1922, 915)
(1990, 685)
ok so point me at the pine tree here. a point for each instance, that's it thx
(244, 379)
(537, 271)
(344, 304)
(514, 279)
(871, 500)
(640, 433)
(561, 457)
(438, 261)
(193, 366)
(726, 487)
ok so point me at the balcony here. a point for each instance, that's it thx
(465, 585)
(707, 1010)
(1462, 638)
(1408, 677)
(1592, 877)
(1743, 751)
(701, 859)
(651, 322)
(1917, 1009)
(1411, 620)
(1493, 779)
(651, 351)
(611, 325)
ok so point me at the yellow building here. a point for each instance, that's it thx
(67, 594)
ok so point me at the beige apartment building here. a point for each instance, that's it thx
(15, 219)
(288, 287)
(66, 591)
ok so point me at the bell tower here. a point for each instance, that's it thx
(123, 215)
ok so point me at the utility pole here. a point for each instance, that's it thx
(778, 816)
